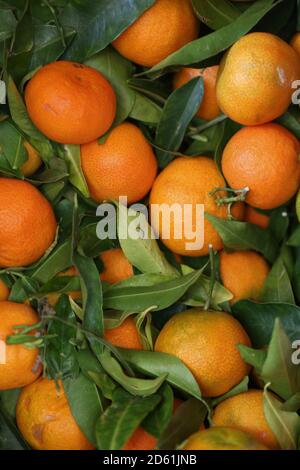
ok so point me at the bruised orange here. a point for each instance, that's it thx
(234, 413)
(264, 159)
(45, 420)
(244, 274)
(124, 165)
(19, 365)
(116, 266)
(125, 335)
(163, 29)
(209, 108)
(206, 341)
(28, 225)
(70, 103)
(255, 79)
(222, 438)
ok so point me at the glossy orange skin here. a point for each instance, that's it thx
(44, 418)
(163, 29)
(116, 266)
(222, 438)
(33, 163)
(4, 291)
(70, 103)
(209, 108)
(255, 79)
(207, 343)
(124, 165)
(20, 367)
(125, 336)
(266, 160)
(256, 218)
(189, 180)
(28, 225)
(244, 274)
(245, 412)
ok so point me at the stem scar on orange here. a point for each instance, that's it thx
(70, 103)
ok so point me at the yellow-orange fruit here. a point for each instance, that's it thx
(125, 335)
(44, 418)
(206, 341)
(18, 364)
(27, 220)
(255, 79)
(33, 162)
(209, 108)
(266, 160)
(222, 439)
(245, 412)
(4, 291)
(124, 165)
(244, 274)
(295, 42)
(257, 218)
(70, 103)
(163, 29)
(116, 266)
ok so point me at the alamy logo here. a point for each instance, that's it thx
(2, 352)
(296, 354)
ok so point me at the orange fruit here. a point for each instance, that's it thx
(295, 42)
(234, 413)
(125, 335)
(53, 297)
(188, 181)
(244, 274)
(4, 291)
(70, 103)
(257, 218)
(255, 79)
(206, 341)
(124, 165)
(20, 362)
(266, 160)
(141, 440)
(27, 220)
(116, 266)
(33, 162)
(44, 418)
(223, 438)
(209, 108)
(163, 29)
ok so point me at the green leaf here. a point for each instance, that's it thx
(145, 110)
(215, 13)
(89, 244)
(245, 236)
(178, 111)
(135, 386)
(12, 145)
(85, 404)
(59, 260)
(98, 23)
(187, 420)
(158, 296)
(119, 421)
(143, 253)
(157, 421)
(239, 388)
(155, 364)
(278, 287)
(10, 437)
(284, 424)
(291, 120)
(254, 357)
(8, 24)
(259, 319)
(8, 401)
(294, 239)
(199, 293)
(218, 41)
(117, 70)
(72, 154)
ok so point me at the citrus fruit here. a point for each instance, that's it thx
(53, 297)
(244, 274)
(209, 108)
(141, 440)
(266, 160)
(44, 418)
(295, 42)
(70, 103)
(255, 79)
(234, 413)
(187, 183)
(125, 335)
(206, 341)
(124, 165)
(33, 162)
(4, 291)
(20, 365)
(257, 218)
(222, 439)
(163, 29)
(28, 224)
(116, 266)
